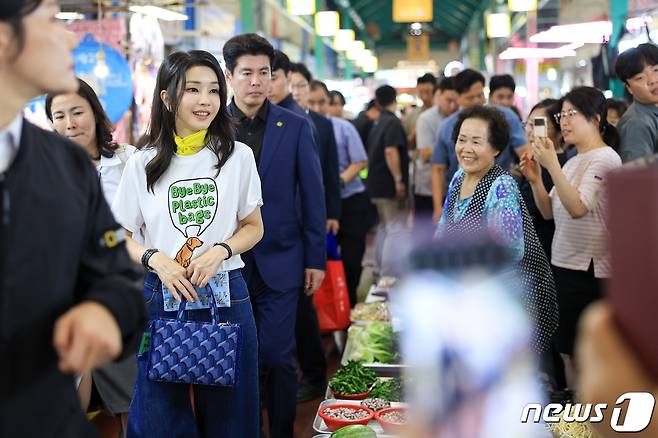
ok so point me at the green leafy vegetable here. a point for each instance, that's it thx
(390, 390)
(353, 378)
(373, 343)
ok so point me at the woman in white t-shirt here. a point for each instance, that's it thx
(580, 257)
(81, 118)
(194, 196)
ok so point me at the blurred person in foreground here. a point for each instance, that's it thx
(81, 118)
(610, 367)
(67, 300)
(484, 197)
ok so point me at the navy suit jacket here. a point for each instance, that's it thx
(325, 141)
(328, 151)
(294, 237)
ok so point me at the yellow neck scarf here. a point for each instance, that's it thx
(191, 144)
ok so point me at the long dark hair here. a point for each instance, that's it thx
(104, 141)
(591, 103)
(162, 126)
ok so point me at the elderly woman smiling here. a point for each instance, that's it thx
(484, 197)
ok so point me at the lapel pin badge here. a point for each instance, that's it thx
(279, 124)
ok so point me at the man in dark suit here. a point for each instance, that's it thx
(309, 344)
(291, 254)
(280, 89)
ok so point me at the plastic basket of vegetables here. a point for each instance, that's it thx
(352, 382)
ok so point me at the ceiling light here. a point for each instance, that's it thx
(301, 7)
(159, 13)
(355, 49)
(327, 23)
(522, 5)
(498, 25)
(343, 39)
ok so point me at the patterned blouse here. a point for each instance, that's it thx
(502, 212)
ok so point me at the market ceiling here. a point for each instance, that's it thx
(451, 19)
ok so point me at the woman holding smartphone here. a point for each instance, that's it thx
(580, 257)
(541, 123)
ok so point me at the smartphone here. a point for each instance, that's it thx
(539, 129)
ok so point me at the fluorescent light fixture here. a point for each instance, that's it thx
(343, 39)
(69, 16)
(536, 53)
(301, 7)
(522, 5)
(551, 74)
(159, 13)
(498, 25)
(327, 23)
(593, 32)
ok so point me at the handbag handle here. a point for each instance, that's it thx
(213, 307)
(332, 247)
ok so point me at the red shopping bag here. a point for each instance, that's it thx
(332, 301)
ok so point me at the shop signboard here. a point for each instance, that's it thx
(115, 90)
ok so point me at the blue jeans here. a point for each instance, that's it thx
(164, 410)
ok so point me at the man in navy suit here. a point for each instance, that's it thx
(291, 254)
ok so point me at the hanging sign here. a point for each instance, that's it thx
(115, 90)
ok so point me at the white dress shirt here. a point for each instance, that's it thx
(10, 139)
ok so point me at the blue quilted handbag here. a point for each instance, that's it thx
(193, 352)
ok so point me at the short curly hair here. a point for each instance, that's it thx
(498, 127)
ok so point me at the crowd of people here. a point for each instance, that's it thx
(241, 174)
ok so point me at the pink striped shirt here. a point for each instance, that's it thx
(579, 241)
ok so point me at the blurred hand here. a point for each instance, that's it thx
(543, 151)
(313, 280)
(436, 215)
(86, 337)
(173, 276)
(608, 367)
(400, 190)
(333, 226)
(204, 267)
(530, 168)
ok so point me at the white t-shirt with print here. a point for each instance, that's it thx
(191, 208)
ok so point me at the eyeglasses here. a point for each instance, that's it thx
(299, 86)
(565, 114)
